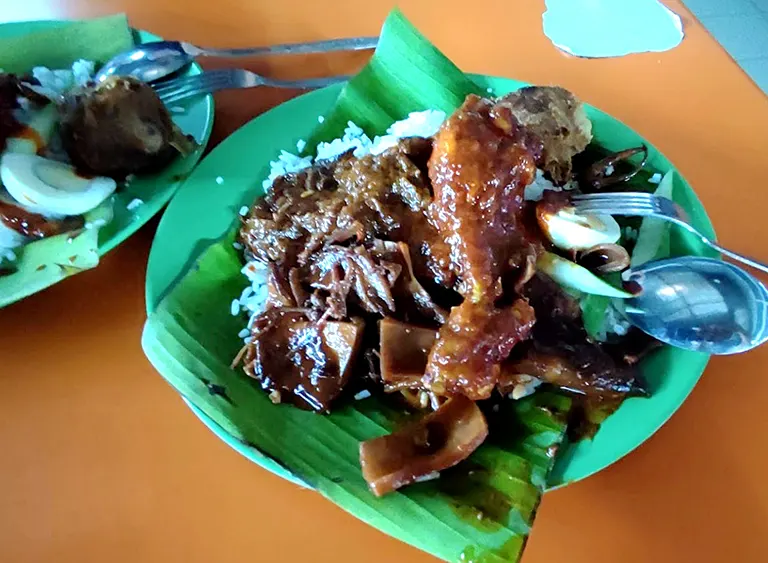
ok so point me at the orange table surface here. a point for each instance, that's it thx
(101, 461)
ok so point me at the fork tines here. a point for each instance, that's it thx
(617, 203)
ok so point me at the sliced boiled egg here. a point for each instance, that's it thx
(52, 188)
(569, 230)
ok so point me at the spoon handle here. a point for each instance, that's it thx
(351, 44)
(712, 244)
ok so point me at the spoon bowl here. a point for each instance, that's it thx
(699, 304)
(147, 62)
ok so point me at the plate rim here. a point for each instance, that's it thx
(256, 456)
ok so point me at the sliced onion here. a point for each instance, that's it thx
(569, 230)
(571, 275)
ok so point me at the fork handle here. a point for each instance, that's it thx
(305, 84)
(736, 256)
(351, 44)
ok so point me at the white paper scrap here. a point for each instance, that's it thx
(611, 28)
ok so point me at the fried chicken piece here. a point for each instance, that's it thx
(470, 346)
(481, 162)
(558, 118)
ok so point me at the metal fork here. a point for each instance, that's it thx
(179, 89)
(639, 204)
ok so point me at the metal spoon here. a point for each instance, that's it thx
(699, 304)
(155, 60)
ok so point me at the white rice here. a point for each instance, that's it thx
(364, 394)
(253, 298)
(219, 180)
(428, 477)
(655, 179)
(417, 124)
(526, 386)
(83, 71)
(535, 190)
(286, 163)
(613, 323)
(247, 292)
(134, 203)
(354, 138)
(57, 82)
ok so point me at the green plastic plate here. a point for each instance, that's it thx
(230, 177)
(194, 117)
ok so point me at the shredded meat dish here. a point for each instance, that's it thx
(414, 270)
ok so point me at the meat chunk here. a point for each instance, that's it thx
(558, 118)
(301, 362)
(579, 367)
(470, 346)
(383, 196)
(561, 353)
(481, 162)
(352, 274)
(415, 304)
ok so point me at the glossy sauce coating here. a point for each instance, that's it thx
(34, 225)
(481, 162)
(301, 362)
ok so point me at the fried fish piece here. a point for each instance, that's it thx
(558, 118)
